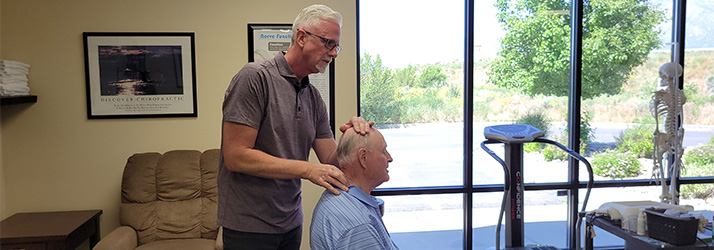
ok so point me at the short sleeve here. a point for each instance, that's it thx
(246, 97)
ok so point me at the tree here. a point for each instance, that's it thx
(431, 76)
(534, 57)
(405, 76)
(378, 92)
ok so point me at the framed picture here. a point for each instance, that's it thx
(140, 75)
(267, 40)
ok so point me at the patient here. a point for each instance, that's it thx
(352, 220)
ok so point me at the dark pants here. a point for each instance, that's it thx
(236, 240)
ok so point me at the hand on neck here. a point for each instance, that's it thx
(357, 180)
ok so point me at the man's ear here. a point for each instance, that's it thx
(300, 39)
(362, 157)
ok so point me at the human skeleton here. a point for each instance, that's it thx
(667, 102)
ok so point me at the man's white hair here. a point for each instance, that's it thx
(348, 146)
(311, 16)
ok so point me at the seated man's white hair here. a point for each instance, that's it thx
(350, 142)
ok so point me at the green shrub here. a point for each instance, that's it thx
(691, 91)
(538, 119)
(698, 161)
(637, 140)
(551, 152)
(710, 86)
(613, 164)
(700, 156)
(532, 147)
(587, 133)
(697, 191)
(535, 118)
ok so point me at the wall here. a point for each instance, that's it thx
(2, 176)
(54, 158)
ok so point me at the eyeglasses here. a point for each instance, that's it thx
(329, 43)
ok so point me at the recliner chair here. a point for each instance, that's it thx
(169, 201)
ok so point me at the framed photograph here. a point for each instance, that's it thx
(267, 40)
(140, 75)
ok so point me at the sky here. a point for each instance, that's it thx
(405, 32)
(414, 32)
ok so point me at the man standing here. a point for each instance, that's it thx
(272, 117)
(353, 220)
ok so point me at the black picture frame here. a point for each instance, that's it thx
(266, 40)
(140, 74)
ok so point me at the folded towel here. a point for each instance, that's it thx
(13, 77)
(14, 71)
(13, 83)
(13, 66)
(15, 87)
(14, 63)
(4, 91)
(14, 93)
(4, 73)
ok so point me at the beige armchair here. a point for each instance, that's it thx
(168, 201)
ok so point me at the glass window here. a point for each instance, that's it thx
(698, 111)
(425, 221)
(521, 75)
(411, 85)
(623, 97)
(521, 56)
(414, 90)
(621, 60)
(485, 217)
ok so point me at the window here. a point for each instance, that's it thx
(432, 103)
(698, 157)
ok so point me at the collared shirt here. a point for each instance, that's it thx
(289, 116)
(350, 220)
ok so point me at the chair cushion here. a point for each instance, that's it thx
(193, 244)
(171, 196)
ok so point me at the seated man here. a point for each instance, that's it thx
(352, 220)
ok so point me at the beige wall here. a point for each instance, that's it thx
(54, 158)
(2, 176)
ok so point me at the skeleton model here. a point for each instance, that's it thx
(667, 103)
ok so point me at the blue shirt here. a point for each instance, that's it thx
(350, 220)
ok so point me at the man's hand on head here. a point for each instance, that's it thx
(360, 125)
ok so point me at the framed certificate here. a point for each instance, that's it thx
(140, 75)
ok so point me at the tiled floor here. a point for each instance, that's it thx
(536, 233)
(545, 233)
(439, 229)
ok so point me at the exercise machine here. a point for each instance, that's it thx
(513, 136)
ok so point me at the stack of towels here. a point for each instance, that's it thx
(13, 78)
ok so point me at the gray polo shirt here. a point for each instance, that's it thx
(289, 115)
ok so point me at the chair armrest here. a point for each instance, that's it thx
(122, 238)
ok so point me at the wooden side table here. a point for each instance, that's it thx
(64, 230)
